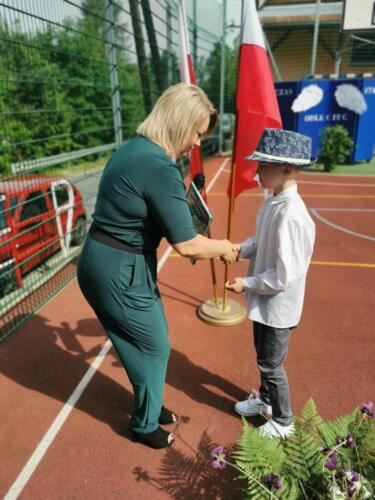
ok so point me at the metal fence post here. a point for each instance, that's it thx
(195, 35)
(110, 46)
(169, 43)
(222, 76)
(316, 37)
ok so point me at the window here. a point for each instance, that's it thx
(34, 205)
(3, 222)
(62, 196)
(13, 202)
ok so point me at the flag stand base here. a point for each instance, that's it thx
(233, 314)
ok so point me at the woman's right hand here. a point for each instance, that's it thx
(230, 252)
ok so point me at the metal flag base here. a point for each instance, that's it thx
(233, 314)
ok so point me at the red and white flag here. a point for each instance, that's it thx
(256, 102)
(188, 76)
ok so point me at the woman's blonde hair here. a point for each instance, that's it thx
(176, 116)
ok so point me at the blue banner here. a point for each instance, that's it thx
(286, 93)
(310, 106)
(365, 140)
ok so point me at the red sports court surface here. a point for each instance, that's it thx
(64, 434)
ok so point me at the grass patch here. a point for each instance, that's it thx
(76, 168)
(365, 168)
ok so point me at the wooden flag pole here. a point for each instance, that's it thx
(214, 279)
(212, 262)
(230, 224)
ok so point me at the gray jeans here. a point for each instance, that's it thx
(271, 345)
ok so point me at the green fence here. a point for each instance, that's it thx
(76, 78)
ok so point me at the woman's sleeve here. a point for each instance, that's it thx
(166, 197)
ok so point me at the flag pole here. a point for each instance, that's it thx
(212, 263)
(230, 211)
(214, 278)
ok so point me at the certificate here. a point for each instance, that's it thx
(200, 213)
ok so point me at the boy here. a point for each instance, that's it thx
(280, 254)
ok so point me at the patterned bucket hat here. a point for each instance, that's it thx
(283, 146)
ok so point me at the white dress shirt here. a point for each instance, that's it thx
(280, 254)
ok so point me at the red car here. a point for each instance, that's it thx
(39, 215)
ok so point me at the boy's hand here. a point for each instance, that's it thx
(235, 286)
(237, 249)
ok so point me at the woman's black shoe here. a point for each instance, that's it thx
(166, 416)
(157, 439)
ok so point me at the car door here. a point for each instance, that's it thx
(35, 229)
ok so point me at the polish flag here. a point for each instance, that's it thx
(256, 102)
(188, 76)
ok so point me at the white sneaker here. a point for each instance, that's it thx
(272, 429)
(252, 407)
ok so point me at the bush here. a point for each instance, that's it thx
(321, 460)
(336, 147)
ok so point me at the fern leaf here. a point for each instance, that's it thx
(257, 452)
(338, 428)
(310, 413)
(303, 460)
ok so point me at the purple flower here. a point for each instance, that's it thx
(351, 491)
(350, 441)
(218, 450)
(331, 464)
(218, 465)
(254, 394)
(366, 408)
(330, 453)
(218, 458)
(272, 481)
(355, 476)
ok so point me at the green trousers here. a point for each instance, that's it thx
(121, 288)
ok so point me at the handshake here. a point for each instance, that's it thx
(231, 252)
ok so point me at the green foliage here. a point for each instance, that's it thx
(55, 93)
(209, 76)
(300, 460)
(336, 147)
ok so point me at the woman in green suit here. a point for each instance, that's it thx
(142, 199)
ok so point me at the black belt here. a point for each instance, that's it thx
(105, 238)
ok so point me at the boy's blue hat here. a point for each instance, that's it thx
(283, 146)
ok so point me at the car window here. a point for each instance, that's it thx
(13, 205)
(3, 223)
(62, 196)
(34, 205)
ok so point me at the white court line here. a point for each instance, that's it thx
(33, 462)
(340, 228)
(217, 175)
(335, 184)
(50, 435)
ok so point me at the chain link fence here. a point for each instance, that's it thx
(76, 78)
